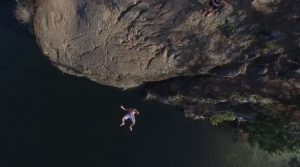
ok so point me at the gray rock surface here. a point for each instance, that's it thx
(126, 43)
(246, 54)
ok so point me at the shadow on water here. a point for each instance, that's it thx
(48, 118)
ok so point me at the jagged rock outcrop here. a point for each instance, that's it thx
(263, 76)
(248, 53)
(127, 43)
(124, 43)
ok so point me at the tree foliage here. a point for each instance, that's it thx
(272, 136)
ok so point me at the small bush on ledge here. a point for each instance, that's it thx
(220, 118)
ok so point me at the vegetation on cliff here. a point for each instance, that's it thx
(220, 118)
(272, 135)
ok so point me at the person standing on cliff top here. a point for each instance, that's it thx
(129, 115)
(214, 5)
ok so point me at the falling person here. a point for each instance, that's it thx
(130, 115)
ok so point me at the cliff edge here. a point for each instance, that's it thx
(244, 59)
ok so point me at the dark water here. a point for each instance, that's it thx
(48, 118)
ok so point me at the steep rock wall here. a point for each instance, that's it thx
(247, 53)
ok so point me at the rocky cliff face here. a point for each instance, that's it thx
(245, 57)
(125, 43)
(242, 62)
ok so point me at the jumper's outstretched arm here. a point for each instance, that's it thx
(123, 108)
(128, 109)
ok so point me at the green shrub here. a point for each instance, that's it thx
(220, 118)
(270, 135)
(229, 28)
